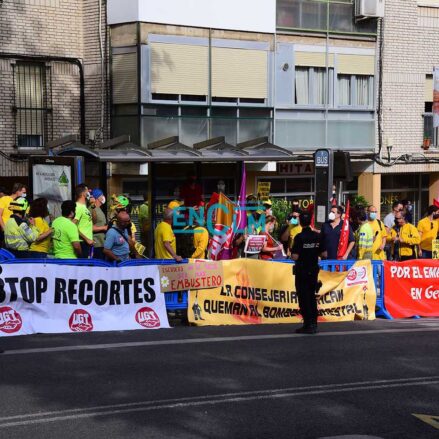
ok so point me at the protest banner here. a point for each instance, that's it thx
(264, 190)
(256, 292)
(435, 248)
(412, 288)
(199, 273)
(60, 298)
(254, 244)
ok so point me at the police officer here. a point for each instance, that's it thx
(306, 250)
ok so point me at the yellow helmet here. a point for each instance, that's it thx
(19, 205)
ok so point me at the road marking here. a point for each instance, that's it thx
(429, 419)
(187, 402)
(210, 340)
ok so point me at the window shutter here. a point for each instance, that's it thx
(428, 89)
(313, 59)
(239, 73)
(124, 68)
(356, 64)
(179, 69)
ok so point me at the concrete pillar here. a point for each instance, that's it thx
(433, 187)
(369, 186)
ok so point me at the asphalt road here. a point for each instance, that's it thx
(352, 380)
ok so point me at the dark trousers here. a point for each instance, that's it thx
(85, 250)
(98, 253)
(306, 288)
(407, 258)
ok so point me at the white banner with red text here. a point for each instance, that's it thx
(60, 298)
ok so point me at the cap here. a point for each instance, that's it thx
(96, 193)
(267, 203)
(19, 205)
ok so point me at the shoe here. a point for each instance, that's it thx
(306, 330)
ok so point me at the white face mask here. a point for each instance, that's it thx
(269, 212)
(331, 216)
(24, 195)
(102, 200)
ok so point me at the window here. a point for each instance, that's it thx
(31, 105)
(311, 85)
(355, 90)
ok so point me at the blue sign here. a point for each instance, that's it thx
(321, 158)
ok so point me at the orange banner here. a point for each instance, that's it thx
(412, 288)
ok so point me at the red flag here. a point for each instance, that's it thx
(344, 234)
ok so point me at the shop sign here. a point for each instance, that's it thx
(295, 168)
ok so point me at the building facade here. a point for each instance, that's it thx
(290, 77)
(53, 76)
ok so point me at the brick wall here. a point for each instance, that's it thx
(410, 52)
(67, 28)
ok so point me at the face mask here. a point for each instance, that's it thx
(372, 216)
(331, 216)
(269, 212)
(103, 199)
(24, 195)
(409, 207)
(294, 221)
(87, 195)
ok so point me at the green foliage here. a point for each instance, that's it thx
(281, 208)
(358, 200)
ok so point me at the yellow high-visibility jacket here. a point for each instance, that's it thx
(410, 236)
(19, 235)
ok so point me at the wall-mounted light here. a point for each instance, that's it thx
(285, 67)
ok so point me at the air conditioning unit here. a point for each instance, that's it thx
(369, 8)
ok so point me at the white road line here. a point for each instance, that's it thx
(211, 340)
(90, 412)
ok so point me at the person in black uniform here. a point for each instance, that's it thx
(306, 250)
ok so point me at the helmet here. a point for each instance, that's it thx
(173, 204)
(19, 205)
(120, 202)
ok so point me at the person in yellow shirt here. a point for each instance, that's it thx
(294, 228)
(404, 238)
(18, 190)
(165, 246)
(379, 234)
(39, 211)
(428, 229)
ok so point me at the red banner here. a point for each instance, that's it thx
(412, 288)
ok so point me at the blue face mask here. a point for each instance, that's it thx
(294, 221)
(372, 216)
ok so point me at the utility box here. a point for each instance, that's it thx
(369, 9)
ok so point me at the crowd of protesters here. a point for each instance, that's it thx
(81, 231)
(84, 231)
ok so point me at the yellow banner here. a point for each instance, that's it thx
(256, 292)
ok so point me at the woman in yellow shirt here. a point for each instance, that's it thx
(39, 211)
